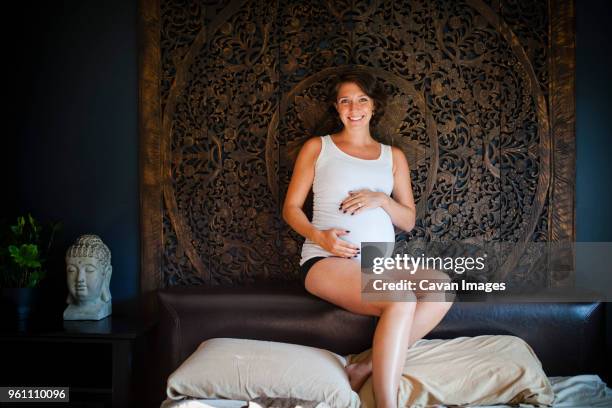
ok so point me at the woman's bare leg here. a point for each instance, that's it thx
(427, 315)
(338, 281)
(430, 310)
(389, 351)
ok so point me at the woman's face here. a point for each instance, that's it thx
(354, 107)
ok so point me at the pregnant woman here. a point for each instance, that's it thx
(361, 188)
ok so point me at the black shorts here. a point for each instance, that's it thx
(307, 265)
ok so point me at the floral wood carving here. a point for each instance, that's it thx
(481, 103)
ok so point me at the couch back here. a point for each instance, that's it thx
(568, 338)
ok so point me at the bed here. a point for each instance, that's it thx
(568, 338)
(575, 391)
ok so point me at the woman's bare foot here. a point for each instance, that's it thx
(358, 373)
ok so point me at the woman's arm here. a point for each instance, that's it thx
(299, 187)
(400, 206)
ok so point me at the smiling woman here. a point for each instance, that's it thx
(361, 189)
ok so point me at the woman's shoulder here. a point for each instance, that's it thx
(312, 147)
(314, 143)
(396, 151)
(398, 157)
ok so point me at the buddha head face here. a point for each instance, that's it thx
(88, 270)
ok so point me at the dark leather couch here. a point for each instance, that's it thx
(567, 337)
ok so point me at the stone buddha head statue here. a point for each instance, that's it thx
(88, 273)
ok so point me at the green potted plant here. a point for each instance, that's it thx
(24, 251)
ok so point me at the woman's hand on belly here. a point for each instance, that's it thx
(361, 200)
(329, 240)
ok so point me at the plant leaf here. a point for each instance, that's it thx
(36, 227)
(25, 256)
(18, 228)
(34, 278)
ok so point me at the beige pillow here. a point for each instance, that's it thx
(246, 369)
(482, 370)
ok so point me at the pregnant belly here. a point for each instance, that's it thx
(368, 226)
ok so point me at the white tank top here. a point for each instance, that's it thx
(337, 173)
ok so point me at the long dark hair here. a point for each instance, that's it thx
(368, 84)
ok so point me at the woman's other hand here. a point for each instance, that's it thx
(329, 240)
(361, 200)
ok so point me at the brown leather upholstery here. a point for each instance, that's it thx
(567, 337)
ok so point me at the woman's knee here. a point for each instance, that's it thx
(445, 306)
(433, 275)
(425, 278)
(404, 308)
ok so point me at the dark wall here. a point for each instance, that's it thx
(593, 141)
(74, 151)
(71, 152)
(593, 121)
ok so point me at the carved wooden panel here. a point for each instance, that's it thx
(481, 103)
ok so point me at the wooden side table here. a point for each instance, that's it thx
(94, 358)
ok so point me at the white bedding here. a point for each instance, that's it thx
(575, 392)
